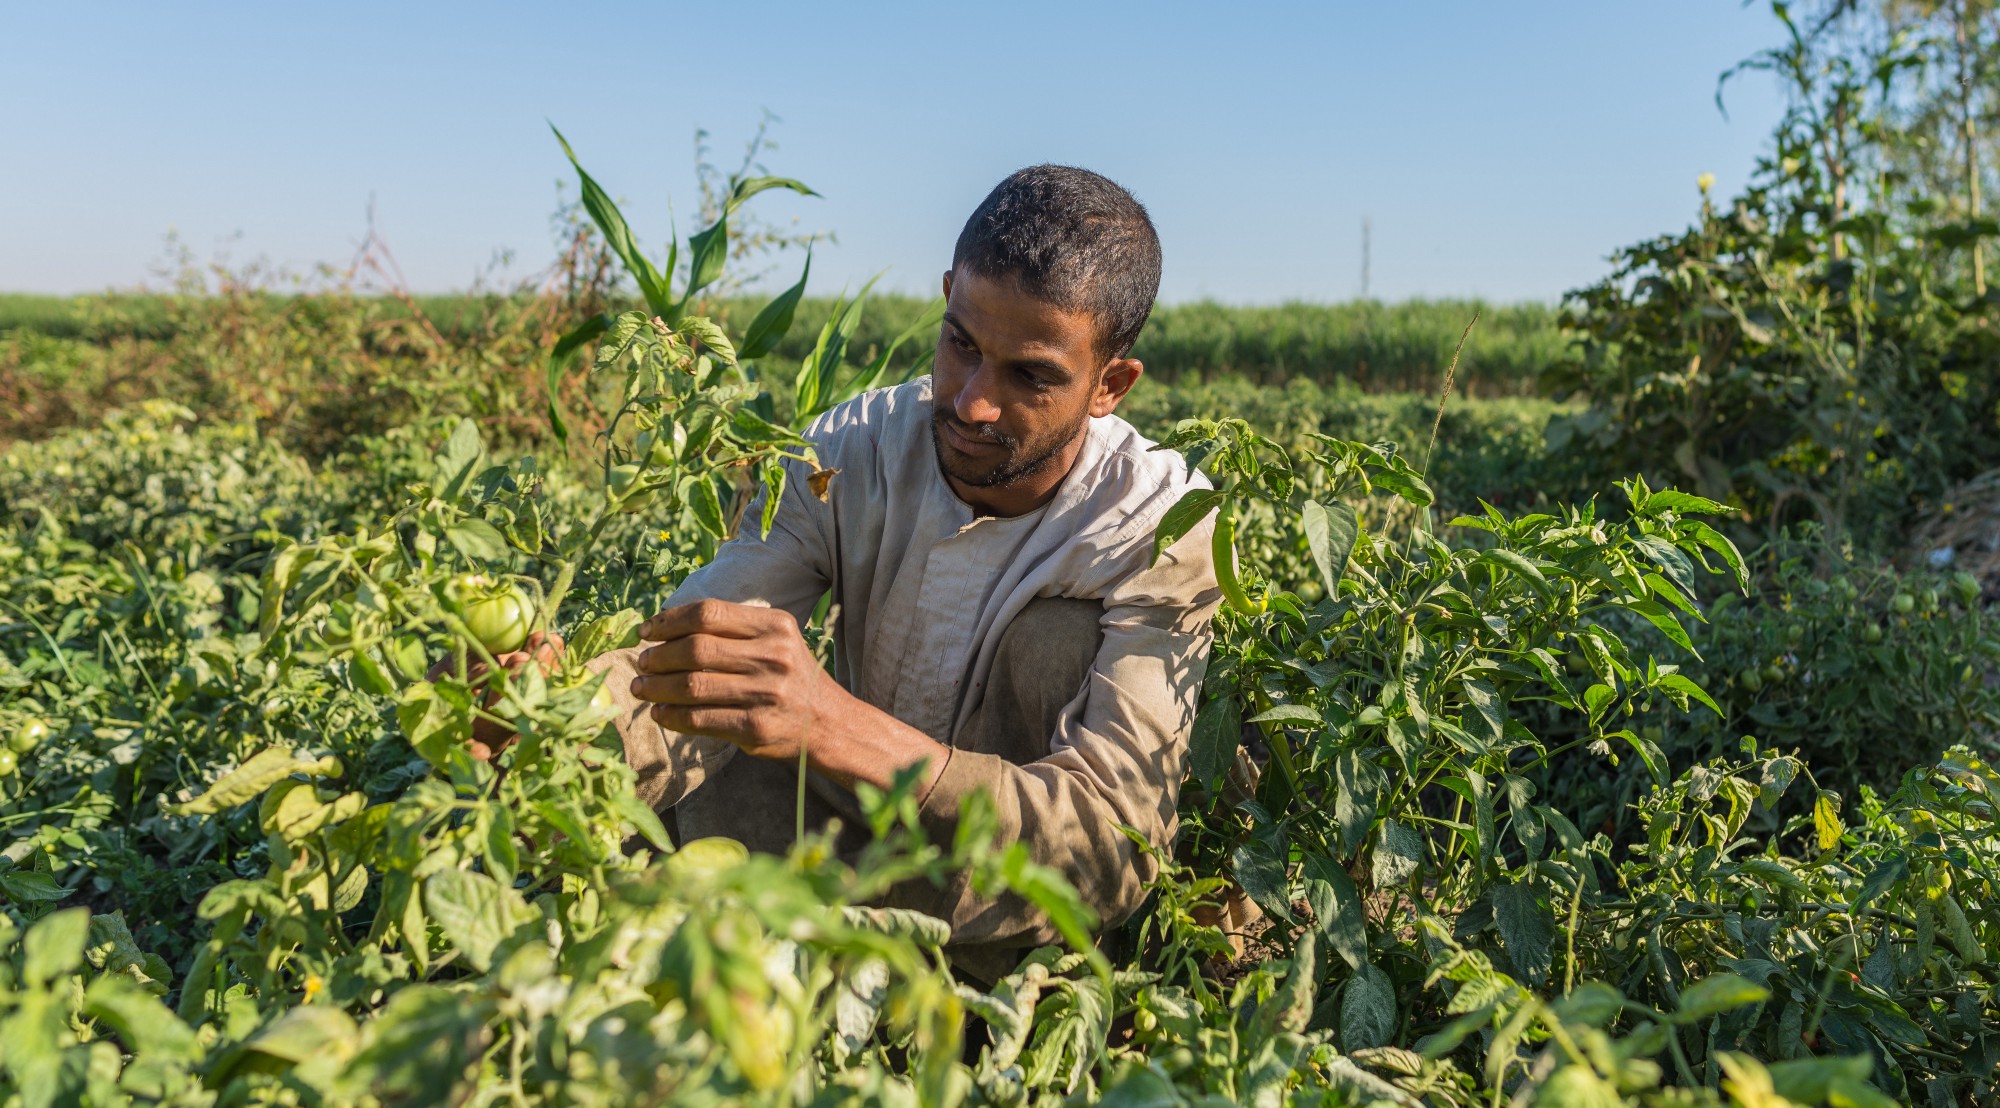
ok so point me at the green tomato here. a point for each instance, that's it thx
(9, 762)
(707, 858)
(499, 614)
(622, 486)
(1751, 681)
(1795, 634)
(1904, 603)
(1773, 673)
(28, 736)
(1967, 586)
(1872, 633)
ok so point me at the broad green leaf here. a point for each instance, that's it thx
(707, 507)
(1330, 531)
(1367, 1010)
(1834, 1080)
(1359, 784)
(28, 885)
(1487, 719)
(1404, 483)
(1826, 821)
(1289, 1007)
(145, 1024)
(1399, 850)
(478, 540)
(1518, 564)
(775, 320)
(714, 341)
(248, 781)
(1715, 994)
(462, 457)
(1718, 542)
(707, 251)
(1259, 868)
(1592, 1003)
(1217, 735)
(1528, 926)
(614, 631)
(280, 574)
(773, 477)
(1672, 500)
(1597, 697)
(1683, 684)
(1299, 714)
(475, 912)
(1336, 906)
(1657, 614)
(53, 945)
(1193, 507)
(1650, 753)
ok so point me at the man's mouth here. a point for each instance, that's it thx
(967, 443)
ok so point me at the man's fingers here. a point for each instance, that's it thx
(701, 651)
(712, 617)
(721, 723)
(699, 688)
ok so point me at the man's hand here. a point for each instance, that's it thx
(490, 736)
(736, 672)
(744, 674)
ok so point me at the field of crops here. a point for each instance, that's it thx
(1621, 734)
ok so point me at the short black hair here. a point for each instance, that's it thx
(1072, 238)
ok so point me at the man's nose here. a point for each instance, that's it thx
(975, 403)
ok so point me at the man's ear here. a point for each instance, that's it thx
(947, 284)
(1119, 375)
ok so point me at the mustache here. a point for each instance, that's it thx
(989, 433)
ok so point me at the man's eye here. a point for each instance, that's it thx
(960, 341)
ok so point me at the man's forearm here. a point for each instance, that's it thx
(856, 741)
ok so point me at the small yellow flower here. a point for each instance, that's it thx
(314, 986)
(1705, 182)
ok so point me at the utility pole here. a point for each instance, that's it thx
(1367, 226)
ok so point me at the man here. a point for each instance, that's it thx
(1000, 623)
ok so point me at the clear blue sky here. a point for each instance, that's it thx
(1500, 149)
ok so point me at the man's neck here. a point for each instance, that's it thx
(1020, 497)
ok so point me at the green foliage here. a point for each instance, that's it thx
(1819, 348)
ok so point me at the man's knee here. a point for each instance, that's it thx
(1041, 664)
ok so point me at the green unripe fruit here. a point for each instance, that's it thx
(1967, 587)
(622, 486)
(497, 613)
(9, 762)
(28, 736)
(1872, 634)
(1904, 603)
(1751, 681)
(1773, 673)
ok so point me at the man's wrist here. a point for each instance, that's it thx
(855, 741)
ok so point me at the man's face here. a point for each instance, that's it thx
(1015, 382)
